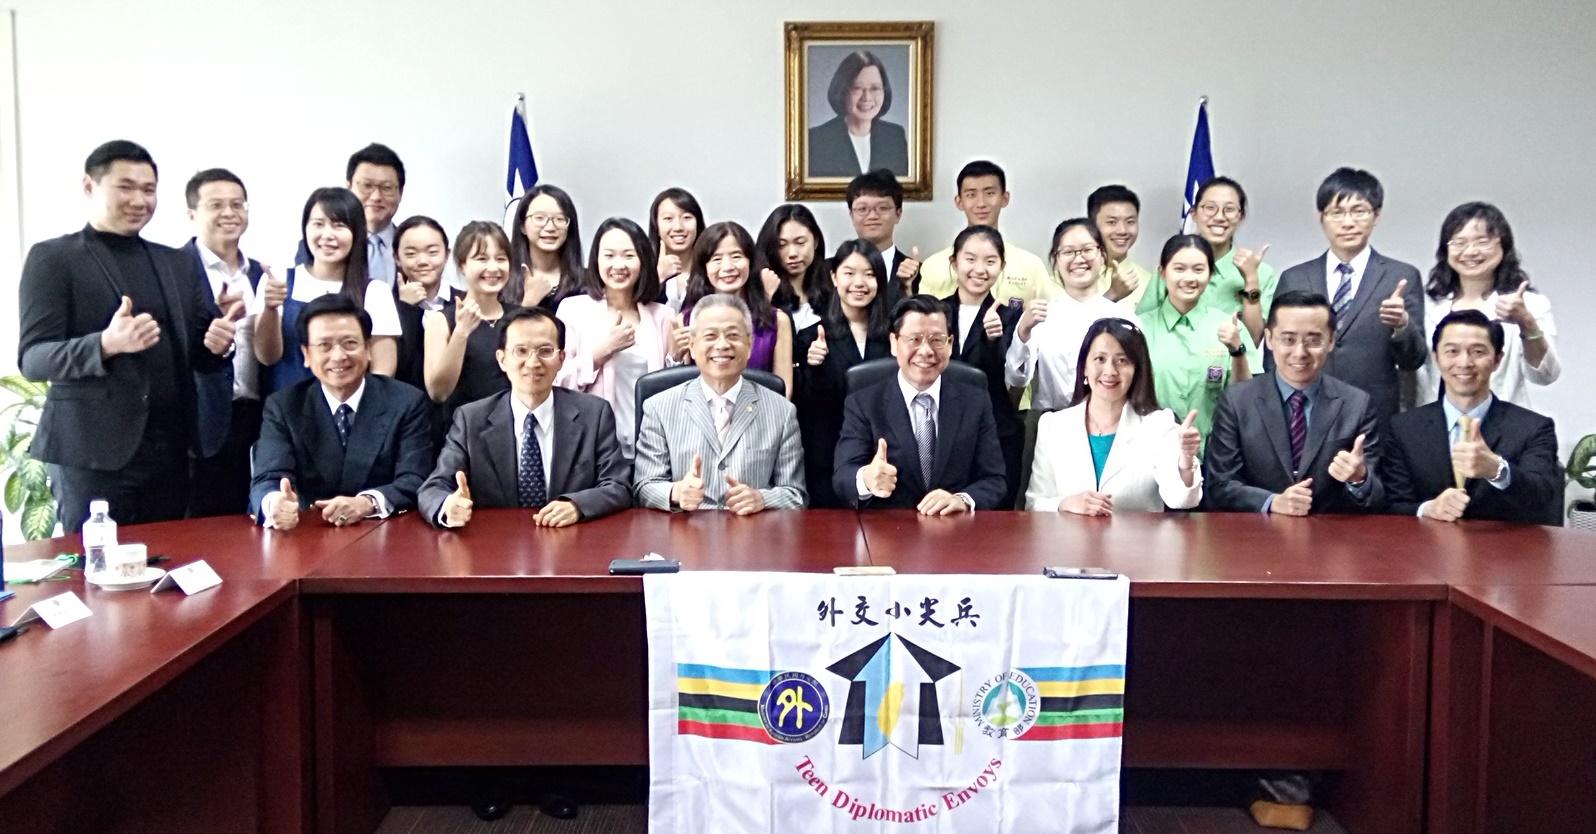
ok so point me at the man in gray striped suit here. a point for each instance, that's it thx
(720, 442)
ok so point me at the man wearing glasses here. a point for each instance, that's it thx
(346, 445)
(1378, 301)
(551, 451)
(939, 439)
(875, 205)
(377, 176)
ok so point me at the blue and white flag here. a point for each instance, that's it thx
(1201, 167)
(522, 172)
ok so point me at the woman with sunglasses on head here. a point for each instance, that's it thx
(723, 261)
(1114, 450)
(675, 221)
(852, 329)
(1477, 267)
(793, 267)
(545, 250)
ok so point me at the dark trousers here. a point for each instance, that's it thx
(219, 485)
(152, 487)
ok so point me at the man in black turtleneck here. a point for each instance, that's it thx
(118, 326)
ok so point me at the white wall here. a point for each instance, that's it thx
(1474, 99)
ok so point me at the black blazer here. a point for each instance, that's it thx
(390, 448)
(818, 392)
(831, 151)
(968, 458)
(213, 390)
(95, 413)
(1249, 449)
(988, 355)
(587, 469)
(1368, 354)
(1417, 464)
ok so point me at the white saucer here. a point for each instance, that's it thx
(106, 581)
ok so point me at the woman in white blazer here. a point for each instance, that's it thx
(1115, 449)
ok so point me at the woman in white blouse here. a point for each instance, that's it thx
(1115, 449)
(1049, 333)
(1477, 268)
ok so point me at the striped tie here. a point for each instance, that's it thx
(1343, 293)
(1297, 403)
(925, 435)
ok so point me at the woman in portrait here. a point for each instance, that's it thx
(858, 139)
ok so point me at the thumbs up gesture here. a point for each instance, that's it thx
(770, 280)
(285, 515)
(1123, 282)
(273, 290)
(1247, 262)
(1230, 332)
(669, 265)
(1471, 458)
(457, 506)
(127, 333)
(910, 266)
(681, 338)
(817, 348)
(1510, 308)
(880, 476)
(467, 315)
(1393, 313)
(1190, 440)
(1035, 313)
(622, 336)
(219, 336)
(688, 493)
(1348, 465)
(741, 498)
(534, 287)
(411, 292)
(992, 324)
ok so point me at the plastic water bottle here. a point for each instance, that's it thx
(99, 533)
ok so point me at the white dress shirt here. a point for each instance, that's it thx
(268, 505)
(717, 402)
(861, 149)
(970, 317)
(1048, 358)
(222, 276)
(1332, 278)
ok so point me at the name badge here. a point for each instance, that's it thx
(1216, 373)
(190, 578)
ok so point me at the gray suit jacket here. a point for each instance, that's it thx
(587, 468)
(1248, 457)
(1367, 353)
(762, 450)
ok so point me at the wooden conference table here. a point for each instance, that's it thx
(278, 701)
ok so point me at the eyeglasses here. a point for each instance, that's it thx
(349, 345)
(365, 187)
(543, 352)
(1087, 252)
(538, 221)
(1360, 214)
(872, 211)
(217, 206)
(1312, 341)
(1483, 244)
(937, 341)
(1230, 212)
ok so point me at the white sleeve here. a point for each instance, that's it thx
(384, 313)
(1550, 368)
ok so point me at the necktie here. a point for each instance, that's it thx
(531, 486)
(1343, 295)
(723, 418)
(1297, 403)
(343, 420)
(381, 266)
(925, 435)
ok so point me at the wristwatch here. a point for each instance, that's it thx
(1238, 350)
(1249, 295)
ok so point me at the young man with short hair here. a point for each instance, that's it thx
(982, 194)
(1116, 212)
(875, 205)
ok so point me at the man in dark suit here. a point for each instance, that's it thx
(118, 326)
(982, 330)
(350, 444)
(227, 402)
(1295, 440)
(535, 446)
(938, 436)
(1469, 454)
(1378, 302)
(875, 205)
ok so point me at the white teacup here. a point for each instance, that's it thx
(126, 561)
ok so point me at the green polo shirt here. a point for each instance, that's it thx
(1191, 367)
(1221, 296)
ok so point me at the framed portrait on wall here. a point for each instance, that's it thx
(858, 99)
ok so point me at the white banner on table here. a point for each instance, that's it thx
(929, 703)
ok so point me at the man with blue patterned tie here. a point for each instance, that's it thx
(561, 443)
(720, 441)
(349, 444)
(1378, 301)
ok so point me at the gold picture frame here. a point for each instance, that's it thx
(823, 148)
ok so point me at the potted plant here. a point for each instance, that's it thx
(27, 482)
(1582, 471)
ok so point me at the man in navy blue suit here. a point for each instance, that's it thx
(227, 401)
(347, 444)
(918, 439)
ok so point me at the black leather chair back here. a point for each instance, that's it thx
(652, 383)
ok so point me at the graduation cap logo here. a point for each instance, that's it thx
(892, 697)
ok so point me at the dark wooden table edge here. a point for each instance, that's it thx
(1464, 598)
